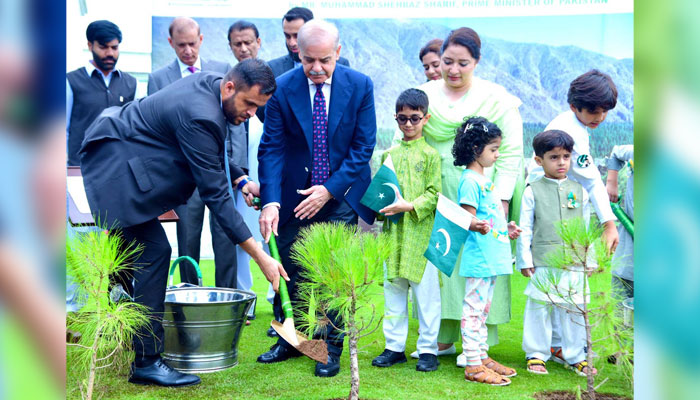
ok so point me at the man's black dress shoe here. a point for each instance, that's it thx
(271, 332)
(389, 358)
(277, 353)
(160, 373)
(330, 369)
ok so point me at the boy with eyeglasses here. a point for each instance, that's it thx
(417, 167)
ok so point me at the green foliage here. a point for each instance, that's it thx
(341, 269)
(106, 327)
(584, 251)
(582, 245)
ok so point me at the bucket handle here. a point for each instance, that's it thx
(178, 261)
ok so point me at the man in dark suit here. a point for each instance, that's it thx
(147, 157)
(186, 39)
(96, 86)
(291, 23)
(317, 141)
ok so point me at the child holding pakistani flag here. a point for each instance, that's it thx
(486, 253)
(405, 190)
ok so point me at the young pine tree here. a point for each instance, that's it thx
(341, 269)
(106, 326)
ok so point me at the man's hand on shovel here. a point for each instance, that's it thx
(272, 271)
(270, 267)
(269, 218)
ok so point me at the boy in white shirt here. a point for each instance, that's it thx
(590, 97)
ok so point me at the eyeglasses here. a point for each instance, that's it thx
(402, 119)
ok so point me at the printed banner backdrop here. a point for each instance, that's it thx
(534, 48)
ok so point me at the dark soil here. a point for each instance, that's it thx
(564, 395)
(314, 349)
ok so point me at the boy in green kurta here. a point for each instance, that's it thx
(417, 167)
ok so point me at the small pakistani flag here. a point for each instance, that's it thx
(383, 190)
(449, 234)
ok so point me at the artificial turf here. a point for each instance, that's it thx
(294, 379)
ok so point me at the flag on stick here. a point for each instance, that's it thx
(450, 231)
(383, 190)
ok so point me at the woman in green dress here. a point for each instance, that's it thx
(459, 95)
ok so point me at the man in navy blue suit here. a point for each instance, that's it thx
(319, 134)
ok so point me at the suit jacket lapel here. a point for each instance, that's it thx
(174, 72)
(341, 90)
(298, 96)
(289, 63)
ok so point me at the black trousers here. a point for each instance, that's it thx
(224, 248)
(333, 211)
(150, 277)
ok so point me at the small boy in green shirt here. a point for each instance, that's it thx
(417, 167)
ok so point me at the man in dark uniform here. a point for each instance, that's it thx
(186, 38)
(97, 85)
(147, 157)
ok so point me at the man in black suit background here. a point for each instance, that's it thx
(146, 158)
(291, 23)
(186, 38)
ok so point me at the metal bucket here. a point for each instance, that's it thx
(628, 312)
(203, 325)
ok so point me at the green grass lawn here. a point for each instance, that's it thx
(294, 379)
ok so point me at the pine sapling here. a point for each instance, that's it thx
(341, 270)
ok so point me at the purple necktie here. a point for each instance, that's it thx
(192, 69)
(320, 165)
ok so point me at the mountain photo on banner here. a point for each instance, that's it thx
(383, 190)
(449, 234)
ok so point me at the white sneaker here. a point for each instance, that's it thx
(446, 352)
(462, 360)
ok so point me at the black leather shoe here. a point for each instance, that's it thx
(389, 358)
(271, 332)
(277, 353)
(330, 369)
(160, 373)
(427, 362)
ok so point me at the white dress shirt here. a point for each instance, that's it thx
(184, 68)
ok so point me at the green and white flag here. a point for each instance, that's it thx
(450, 231)
(383, 190)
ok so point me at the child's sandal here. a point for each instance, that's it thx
(481, 374)
(579, 368)
(498, 368)
(557, 355)
(531, 362)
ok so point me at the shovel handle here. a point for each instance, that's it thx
(284, 294)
